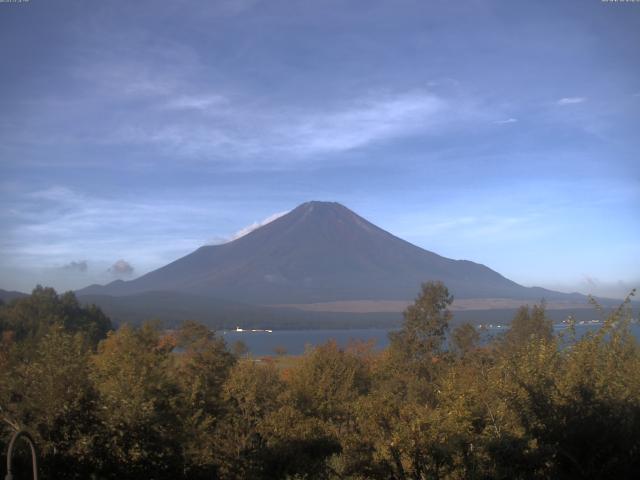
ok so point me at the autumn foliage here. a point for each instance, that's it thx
(140, 402)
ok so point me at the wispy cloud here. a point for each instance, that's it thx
(571, 100)
(506, 121)
(76, 266)
(255, 225)
(50, 227)
(239, 131)
(195, 102)
(169, 100)
(134, 100)
(55, 194)
(365, 122)
(134, 67)
(474, 227)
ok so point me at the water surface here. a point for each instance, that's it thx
(294, 342)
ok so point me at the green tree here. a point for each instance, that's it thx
(252, 392)
(465, 339)
(45, 388)
(140, 436)
(239, 348)
(425, 325)
(32, 316)
(326, 381)
(529, 324)
(200, 370)
(317, 420)
(581, 405)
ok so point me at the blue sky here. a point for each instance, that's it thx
(504, 132)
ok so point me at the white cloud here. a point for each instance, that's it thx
(57, 194)
(121, 268)
(52, 227)
(195, 102)
(129, 78)
(136, 100)
(364, 122)
(571, 100)
(506, 121)
(255, 225)
(483, 226)
(242, 133)
(76, 266)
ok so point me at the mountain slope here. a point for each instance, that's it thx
(319, 252)
(6, 295)
(172, 308)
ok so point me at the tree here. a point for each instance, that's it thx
(140, 436)
(581, 405)
(529, 325)
(32, 316)
(251, 393)
(326, 381)
(239, 348)
(45, 388)
(200, 371)
(425, 323)
(464, 339)
(317, 418)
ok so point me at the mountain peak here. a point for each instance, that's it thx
(332, 218)
(320, 251)
(317, 205)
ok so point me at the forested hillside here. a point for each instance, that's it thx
(152, 404)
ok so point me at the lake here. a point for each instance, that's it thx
(295, 341)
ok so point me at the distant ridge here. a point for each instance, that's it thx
(7, 295)
(321, 252)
